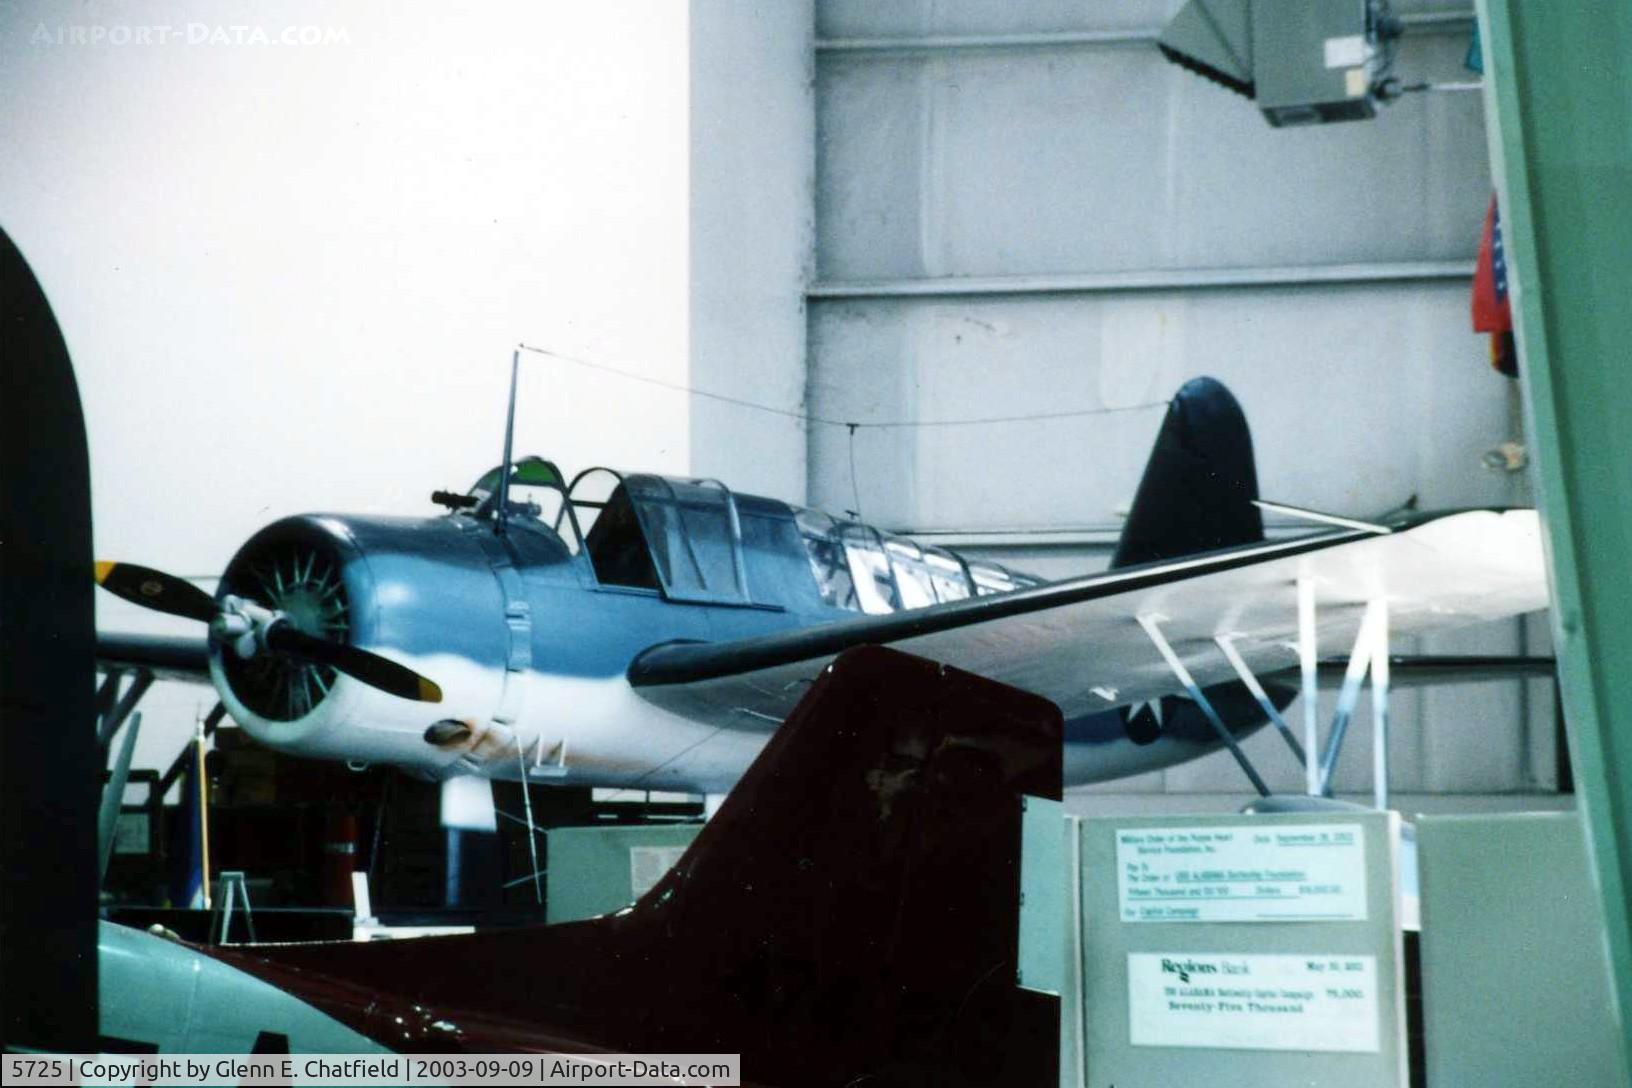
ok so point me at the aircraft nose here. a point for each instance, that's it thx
(294, 570)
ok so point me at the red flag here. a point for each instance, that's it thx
(1490, 307)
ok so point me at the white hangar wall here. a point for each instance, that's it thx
(1013, 220)
(290, 276)
(752, 118)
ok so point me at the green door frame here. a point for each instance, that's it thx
(1558, 95)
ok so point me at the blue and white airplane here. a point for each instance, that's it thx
(656, 635)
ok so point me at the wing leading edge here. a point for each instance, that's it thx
(1079, 642)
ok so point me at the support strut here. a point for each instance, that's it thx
(527, 807)
(1152, 626)
(1372, 624)
(1311, 686)
(1379, 708)
(115, 717)
(1226, 643)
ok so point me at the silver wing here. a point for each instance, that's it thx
(1080, 643)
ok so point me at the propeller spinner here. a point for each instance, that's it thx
(252, 629)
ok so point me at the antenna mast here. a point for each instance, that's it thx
(503, 513)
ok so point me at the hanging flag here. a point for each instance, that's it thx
(1504, 354)
(1492, 312)
(1490, 307)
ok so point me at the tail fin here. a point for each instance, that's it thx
(1199, 484)
(859, 889)
(850, 914)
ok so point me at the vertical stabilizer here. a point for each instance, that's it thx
(1200, 482)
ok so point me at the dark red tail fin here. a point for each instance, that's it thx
(849, 916)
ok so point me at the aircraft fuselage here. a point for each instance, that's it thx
(531, 637)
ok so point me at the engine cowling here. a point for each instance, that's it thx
(422, 592)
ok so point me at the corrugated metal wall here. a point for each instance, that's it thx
(1022, 209)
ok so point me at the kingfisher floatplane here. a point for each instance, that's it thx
(633, 629)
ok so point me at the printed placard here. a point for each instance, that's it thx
(1253, 1002)
(1251, 873)
(1346, 52)
(649, 864)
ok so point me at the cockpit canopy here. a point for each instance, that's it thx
(694, 532)
(695, 540)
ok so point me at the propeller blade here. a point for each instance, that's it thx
(370, 668)
(166, 593)
(156, 590)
